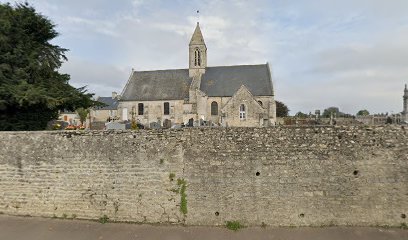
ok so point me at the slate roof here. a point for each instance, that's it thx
(157, 85)
(112, 103)
(221, 81)
(226, 80)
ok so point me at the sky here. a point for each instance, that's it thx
(352, 54)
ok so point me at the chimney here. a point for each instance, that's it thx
(114, 95)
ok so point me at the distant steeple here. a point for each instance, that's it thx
(406, 91)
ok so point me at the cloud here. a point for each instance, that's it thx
(99, 79)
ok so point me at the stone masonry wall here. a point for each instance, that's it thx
(275, 176)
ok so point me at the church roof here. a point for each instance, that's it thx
(221, 81)
(224, 81)
(157, 85)
(197, 37)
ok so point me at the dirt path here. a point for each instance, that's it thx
(21, 228)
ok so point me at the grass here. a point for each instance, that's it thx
(183, 196)
(234, 225)
(104, 219)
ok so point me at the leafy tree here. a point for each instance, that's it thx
(281, 109)
(82, 113)
(31, 88)
(363, 112)
(301, 115)
(331, 110)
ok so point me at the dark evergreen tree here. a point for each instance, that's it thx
(31, 88)
(281, 109)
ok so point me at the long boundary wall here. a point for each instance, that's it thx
(297, 176)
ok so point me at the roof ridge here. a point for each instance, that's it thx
(239, 65)
(175, 69)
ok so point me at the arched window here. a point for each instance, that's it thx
(140, 109)
(197, 57)
(242, 113)
(260, 103)
(214, 108)
(166, 108)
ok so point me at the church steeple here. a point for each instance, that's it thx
(197, 53)
(197, 37)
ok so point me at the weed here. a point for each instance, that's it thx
(73, 216)
(161, 160)
(183, 203)
(172, 176)
(104, 219)
(64, 216)
(183, 200)
(263, 225)
(404, 226)
(234, 225)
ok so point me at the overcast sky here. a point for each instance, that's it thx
(347, 53)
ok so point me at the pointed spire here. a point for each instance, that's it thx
(197, 38)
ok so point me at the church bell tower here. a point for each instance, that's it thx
(197, 53)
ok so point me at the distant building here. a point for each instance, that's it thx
(106, 113)
(72, 118)
(239, 95)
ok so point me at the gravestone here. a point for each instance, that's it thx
(167, 123)
(190, 122)
(155, 125)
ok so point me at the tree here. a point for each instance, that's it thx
(82, 113)
(363, 112)
(281, 109)
(31, 88)
(301, 115)
(331, 111)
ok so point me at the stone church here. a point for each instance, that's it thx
(231, 96)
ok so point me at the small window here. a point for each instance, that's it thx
(140, 109)
(242, 113)
(166, 108)
(214, 108)
(260, 103)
